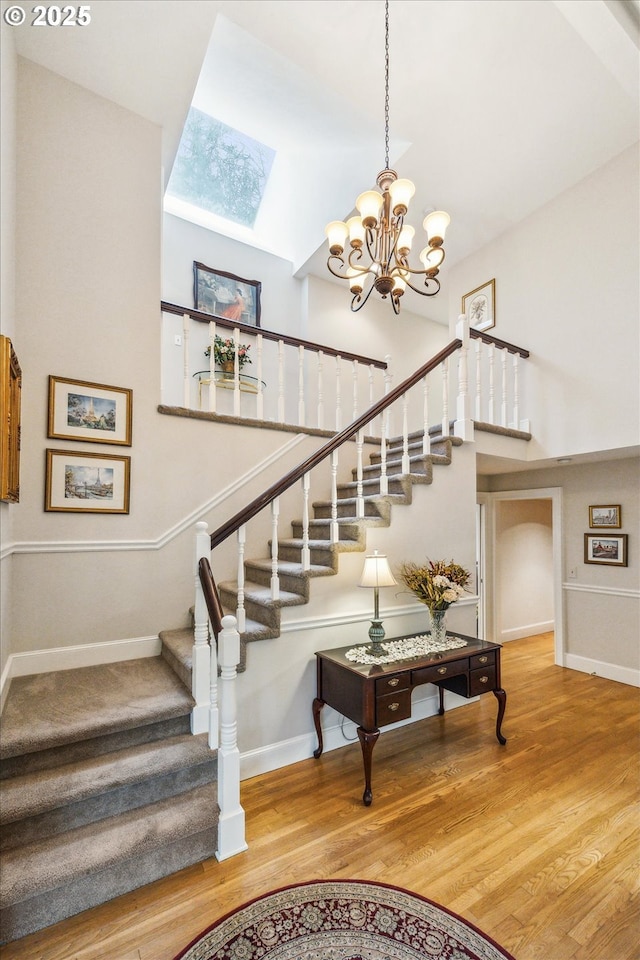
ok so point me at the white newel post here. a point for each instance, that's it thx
(463, 426)
(201, 651)
(231, 837)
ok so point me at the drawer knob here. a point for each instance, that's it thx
(482, 659)
(394, 706)
(442, 670)
(394, 681)
(483, 679)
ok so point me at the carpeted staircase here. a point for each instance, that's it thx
(104, 789)
(264, 614)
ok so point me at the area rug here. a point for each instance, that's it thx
(342, 920)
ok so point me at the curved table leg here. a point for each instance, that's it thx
(367, 742)
(317, 707)
(501, 697)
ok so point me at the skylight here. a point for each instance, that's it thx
(220, 170)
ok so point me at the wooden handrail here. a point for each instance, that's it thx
(250, 511)
(269, 335)
(501, 344)
(214, 607)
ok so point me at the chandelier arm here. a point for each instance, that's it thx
(360, 301)
(355, 255)
(427, 281)
(334, 256)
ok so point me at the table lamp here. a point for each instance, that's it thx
(376, 573)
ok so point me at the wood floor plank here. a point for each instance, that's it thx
(536, 842)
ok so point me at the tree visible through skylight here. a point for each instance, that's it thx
(220, 169)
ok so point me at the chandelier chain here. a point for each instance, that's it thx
(386, 85)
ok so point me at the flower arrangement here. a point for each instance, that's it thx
(224, 351)
(437, 584)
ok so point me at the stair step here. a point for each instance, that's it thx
(292, 577)
(75, 714)
(261, 594)
(45, 881)
(75, 794)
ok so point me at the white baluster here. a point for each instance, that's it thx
(201, 651)
(503, 418)
(426, 436)
(516, 392)
(211, 405)
(479, 380)
(338, 396)
(384, 480)
(186, 381)
(306, 552)
(320, 391)
(388, 379)
(275, 579)
(355, 389)
(236, 373)
(214, 712)
(231, 819)
(372, 373)
(335, 527)
(301, 410)
(359, 488)
(445, 397)
(406, 461)
(240, 611)
(260, 385)
(463, 426)
(492, 384)
(281, 381)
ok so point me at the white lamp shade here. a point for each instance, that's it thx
(436, 224)
(405, 239)
(376, 572)
(356, 231)
(355, 280)
(401, 192)
(337, 233)
(369, 205)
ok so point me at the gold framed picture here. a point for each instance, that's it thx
(609, 549)
(605, 517)
(479, 306)
(87, 482)
(10, 400)
(80, 410)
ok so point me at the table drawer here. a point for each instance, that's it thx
(439, 672)
(482, 680)
(482, 659)
(392, 684)
(392, 707)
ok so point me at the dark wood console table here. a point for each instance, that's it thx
(373, 695)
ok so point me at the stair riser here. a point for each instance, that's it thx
(268, 615)
(288, 582)
(92, 889)
(439, 447)
(98, 746)
(348, 531)
(108, 804)
(319, 557)
(373, 510)
(420, 466)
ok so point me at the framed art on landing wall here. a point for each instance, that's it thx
(605, 517)
(79, 410)
(479, 306)
(225, 295)
(609, 549)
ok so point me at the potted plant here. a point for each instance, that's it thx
(224, 353)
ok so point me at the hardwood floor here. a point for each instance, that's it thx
(537, 842)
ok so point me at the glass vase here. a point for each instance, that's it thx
(438, 625)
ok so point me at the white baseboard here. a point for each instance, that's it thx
(340, 734)
(83, 655)
(608, 671)
(529, 630)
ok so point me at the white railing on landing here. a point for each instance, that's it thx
(308, 385)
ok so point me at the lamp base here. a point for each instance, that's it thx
(376, 636)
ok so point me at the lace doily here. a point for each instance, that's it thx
(405, 649)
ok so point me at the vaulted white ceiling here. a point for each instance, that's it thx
(496, 106)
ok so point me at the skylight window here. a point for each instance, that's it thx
(220, 170)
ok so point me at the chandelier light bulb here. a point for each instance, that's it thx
(405, 239)
(355, 281)
(337, 233)
(401, 192)
(369, 205)
(356, 233)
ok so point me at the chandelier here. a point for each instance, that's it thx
(380, 241)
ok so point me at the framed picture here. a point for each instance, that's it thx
(10, 397)
(225, 295)
(87, 482)
(479, 306)
(79, 410)
(610, 549)
(609, 516)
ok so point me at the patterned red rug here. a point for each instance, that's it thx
(342, 920)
